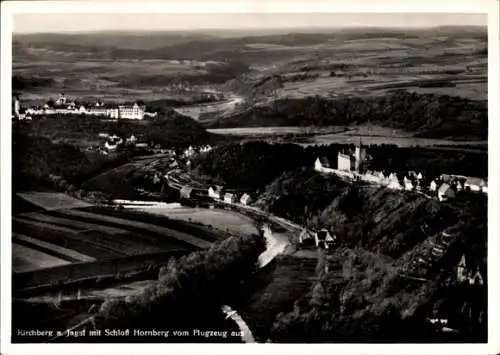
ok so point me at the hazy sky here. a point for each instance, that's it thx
(26, 23)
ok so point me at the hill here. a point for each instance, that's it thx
(253, 165)
(364, 294)
(254, 89)
(427, 115)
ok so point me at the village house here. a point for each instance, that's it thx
(246, 199)
(61, 100)
(474, 184)
(323, 239)
(445, 192)
(408, 184)
(186, 192)
(466, 272)
(205, 149)
(230, 197)
(307, 238)
(394, 182)
(322, 165)
(433, 186)
(189, 152)
(215, 192)
(132, 139)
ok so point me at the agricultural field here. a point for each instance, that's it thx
(52, 200)
(220, 219)
(28, 259)
(272, 131)
(93, 235)
(374, 66)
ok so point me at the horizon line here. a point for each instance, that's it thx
(416, 27)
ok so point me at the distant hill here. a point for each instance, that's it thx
(213, 44)
(427, 115)
(254, 89)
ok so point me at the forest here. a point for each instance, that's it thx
(362, 297)
(36, 161)
(427, 115)
(191, 290)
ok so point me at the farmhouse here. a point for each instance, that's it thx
(215, 192)
(246, 199)
(230, 198)
(445, 192)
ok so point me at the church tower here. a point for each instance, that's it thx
(359, 156)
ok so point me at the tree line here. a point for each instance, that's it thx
(189, 291)
(428, 115)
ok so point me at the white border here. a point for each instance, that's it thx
(456, 6)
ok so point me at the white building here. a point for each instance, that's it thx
(408, 184)
(322, 165)
(229, 197)
(323, 239)
(475, 184)
(215, 192)
(343, 162)
(394, 182)
(445, 192)
(134, 112)
(433, 186)
(246, 199)
(61, 100)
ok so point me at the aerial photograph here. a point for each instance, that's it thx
(249, 178)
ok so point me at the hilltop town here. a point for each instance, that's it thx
(352, 166)
(66, 106)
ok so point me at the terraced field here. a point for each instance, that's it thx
(55, 238)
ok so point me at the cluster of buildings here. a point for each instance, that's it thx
(352, 166)
(322, 239)
(469, 272)
(65, 106)
(191, 151)
(217, 192)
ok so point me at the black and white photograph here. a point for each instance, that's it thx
(249, 177)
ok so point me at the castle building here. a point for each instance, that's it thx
(134, 112)
(359, 156)
(344, 162)
(352, 162)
